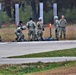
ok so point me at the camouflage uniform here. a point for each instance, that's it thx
(63, 23)
(56, 24)
(31, 29)
(40, 30)
(18, 33)
(36, 36)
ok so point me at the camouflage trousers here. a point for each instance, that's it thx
(63, 32)
(31, 33)
(39, 34)
(57, 33)
(18, 36)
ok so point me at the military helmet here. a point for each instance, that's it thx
(55, 17)
(40, 18)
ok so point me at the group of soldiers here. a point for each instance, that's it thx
(60, 27)
(35, 30)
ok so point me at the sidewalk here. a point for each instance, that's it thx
(34, 60)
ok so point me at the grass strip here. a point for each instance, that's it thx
(60, 53)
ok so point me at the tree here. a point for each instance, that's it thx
(63, 5)
(8, 7)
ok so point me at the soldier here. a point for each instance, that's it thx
(19, 34)
(63, 23)
(31, 29)
(40, 29)
(56, 24)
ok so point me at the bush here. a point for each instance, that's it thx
(70, 15)
(5, 18)
(48, 17)
(25, 15)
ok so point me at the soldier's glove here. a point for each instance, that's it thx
(22, 29)
(55, 30)
(38, 25)
(43, 29)
(28, 26)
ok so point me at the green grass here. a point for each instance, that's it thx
(60, 53)
(32, 67)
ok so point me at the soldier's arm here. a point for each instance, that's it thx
(27, 25)
(37, 23)
(54, 23)
(34, 24)
(60, 20)
(43, 27)
(59, 23)
(65, 21)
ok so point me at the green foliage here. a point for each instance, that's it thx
(5, 18)
(48, 16)
(69, 15)
(32, 67)
(25, 15)
(69, 7)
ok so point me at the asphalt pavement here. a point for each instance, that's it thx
(20, 48)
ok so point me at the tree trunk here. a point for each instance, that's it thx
(14, 12)
(33, 5)
(8, 10)
(8, 7)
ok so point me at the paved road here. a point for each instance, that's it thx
(15, 49)
(34, 60)
(21, 48)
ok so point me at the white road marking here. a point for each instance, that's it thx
(3, 43)
(35, 42)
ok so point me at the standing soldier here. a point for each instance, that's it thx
(63, 23)
(31, 29)
(40, 29)
(56, 24)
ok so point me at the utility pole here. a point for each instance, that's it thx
(0, 16)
